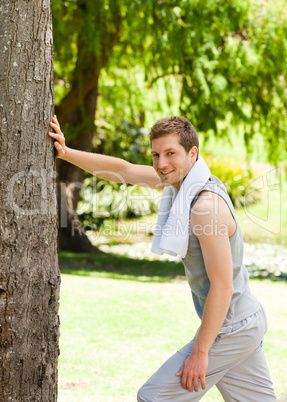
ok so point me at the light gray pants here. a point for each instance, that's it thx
(236, 365)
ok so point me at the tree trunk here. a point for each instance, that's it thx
(29, 276)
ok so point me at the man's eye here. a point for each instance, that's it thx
(171, 153)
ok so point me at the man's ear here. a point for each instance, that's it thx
(193, 154)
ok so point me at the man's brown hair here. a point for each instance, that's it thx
(180, 126)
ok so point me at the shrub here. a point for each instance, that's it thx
(102, 200)
(237, 178)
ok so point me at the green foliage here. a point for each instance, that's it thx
(102, 200)
(84, 24)
(231, 57)
(123, 139)
(236, 177)
(121, 115)
(228, 57)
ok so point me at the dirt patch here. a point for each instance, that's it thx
(72, 384)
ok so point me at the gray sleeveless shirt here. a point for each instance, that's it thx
(243, 303)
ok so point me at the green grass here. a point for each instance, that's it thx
(119, 267)
(118, 327)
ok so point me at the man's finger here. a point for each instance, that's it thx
(202, 382)
(195, 384)
(189, 384)
(183, 381)
(56, 127)
(56, 121)
(56, 136)
(59, 147)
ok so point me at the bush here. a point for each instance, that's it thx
(102, 200)
(237, 178)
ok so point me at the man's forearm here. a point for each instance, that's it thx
(103, 166)
(113, 169)
(216, 308)
(106, 167)
(195, 366)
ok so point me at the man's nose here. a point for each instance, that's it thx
(162, 162)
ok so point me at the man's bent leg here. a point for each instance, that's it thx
(231, 349)
(164, 385)
(249, 381)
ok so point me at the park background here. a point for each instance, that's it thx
(119, 66)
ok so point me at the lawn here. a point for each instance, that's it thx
(121, 318)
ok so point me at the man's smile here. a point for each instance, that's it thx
(166, 173)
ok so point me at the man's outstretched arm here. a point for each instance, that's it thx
(103, 166)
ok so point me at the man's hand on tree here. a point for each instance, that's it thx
(59, 138)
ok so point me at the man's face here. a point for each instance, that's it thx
(170, 160)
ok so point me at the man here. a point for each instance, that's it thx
(197, 221)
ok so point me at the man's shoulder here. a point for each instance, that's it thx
(210, 206)
(207, 201)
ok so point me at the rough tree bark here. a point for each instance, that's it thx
(29, 276)
(77, 112)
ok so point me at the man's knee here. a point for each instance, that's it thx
(142, 394)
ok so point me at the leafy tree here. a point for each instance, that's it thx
(229, 57)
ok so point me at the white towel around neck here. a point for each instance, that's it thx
(172, 228)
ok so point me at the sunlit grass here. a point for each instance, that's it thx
(115, 333)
